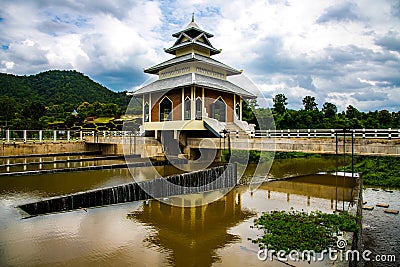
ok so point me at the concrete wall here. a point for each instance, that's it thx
(43, 148)
(312, 145)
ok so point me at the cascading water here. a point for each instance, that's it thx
(188, 183)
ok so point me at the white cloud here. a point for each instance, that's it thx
(342, 51)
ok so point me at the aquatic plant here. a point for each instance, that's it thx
(301, 231)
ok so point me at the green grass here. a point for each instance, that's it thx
(102, 120)
(378, 171)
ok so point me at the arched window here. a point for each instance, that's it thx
(218, 109)
(166, 109)
(199, 105)
(146, 112)
(187, 108)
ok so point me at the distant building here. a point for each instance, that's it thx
(192, 93)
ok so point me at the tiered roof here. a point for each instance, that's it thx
(193, 37)
(193, 57)
(194, 79)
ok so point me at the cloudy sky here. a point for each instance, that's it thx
(344, 52)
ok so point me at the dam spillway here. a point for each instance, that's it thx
(219, 177)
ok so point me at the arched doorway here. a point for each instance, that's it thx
(219, 110)
(166, 109)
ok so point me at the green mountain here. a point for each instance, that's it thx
(58, 87)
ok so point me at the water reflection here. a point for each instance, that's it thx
(192, 235)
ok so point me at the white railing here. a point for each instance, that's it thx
(330, 133)
(58, 136)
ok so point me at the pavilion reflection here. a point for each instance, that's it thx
(192, 235)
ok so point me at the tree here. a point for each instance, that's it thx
(280, 103)
(249, 107)
(352, 112)
(8, 108)
(329, 110)
(385, 118)
(33, 110)
(309, 103)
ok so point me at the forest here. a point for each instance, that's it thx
(49, 99)
(311, 117)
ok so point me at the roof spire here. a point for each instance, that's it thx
(193, 17)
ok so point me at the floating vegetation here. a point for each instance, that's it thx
(301, 231)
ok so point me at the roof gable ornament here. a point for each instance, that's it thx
(192, 37)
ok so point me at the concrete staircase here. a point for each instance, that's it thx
(233, 129)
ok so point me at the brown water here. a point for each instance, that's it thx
(149, 233)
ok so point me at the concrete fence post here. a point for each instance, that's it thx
(308, 134)
(298, 132)
(24, 136)
(376, 135)
(8, 135)
(68, 136)
(54, 136)
(363, 133)
(332, 133)
(40, 136)
(390, 133)
(288, 133)
(81, 135)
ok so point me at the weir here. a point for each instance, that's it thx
(220, 177)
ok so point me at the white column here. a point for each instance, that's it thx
(25, 136)
(81, 135)
(40, 136)
(68, 136)
(143, 111)
(8, 136)
(54, 136)
(150, 107)
(241, 108)
(234, 107)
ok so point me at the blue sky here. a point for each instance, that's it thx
(344, 52)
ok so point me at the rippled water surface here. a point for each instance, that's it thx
(152, 233)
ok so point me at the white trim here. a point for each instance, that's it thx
(221, 98)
